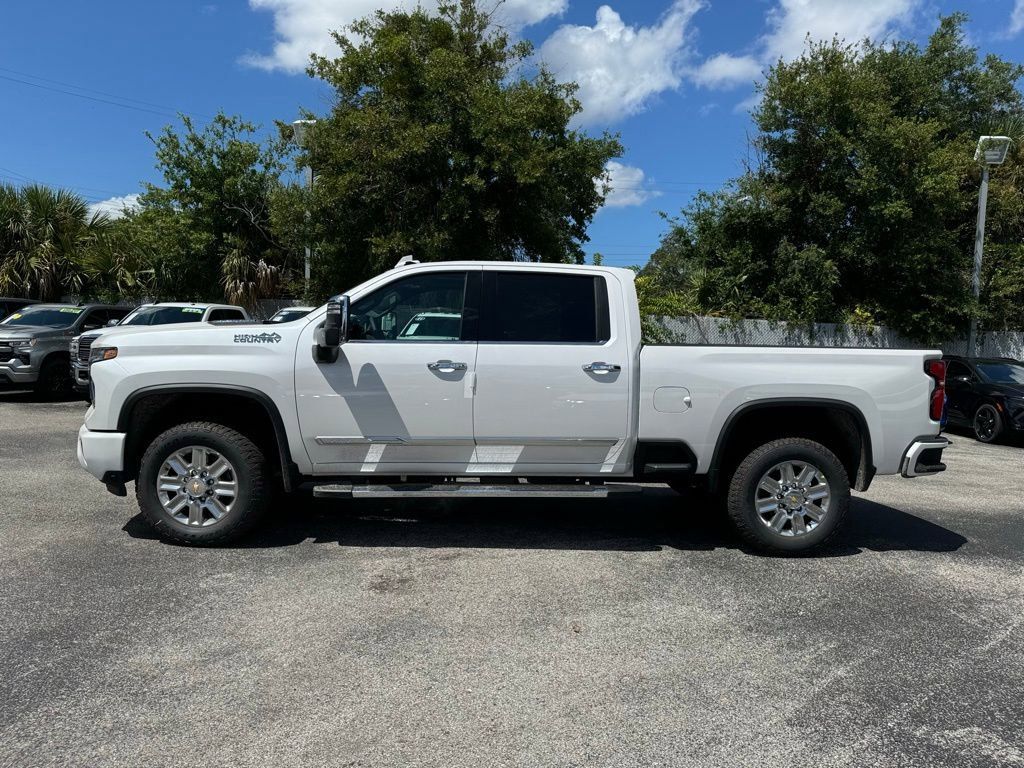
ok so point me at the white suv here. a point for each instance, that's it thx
(161, 313)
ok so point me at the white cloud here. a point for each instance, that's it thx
(726, 71)
(115, 207)
(1017, 18)
(628, 185)
(791, 22)
(620, 67)
(302, 27)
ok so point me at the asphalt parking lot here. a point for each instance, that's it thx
(574, 633)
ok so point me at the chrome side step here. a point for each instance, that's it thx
(461, 491)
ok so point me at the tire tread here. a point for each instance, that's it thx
(737, 494)
(257, 493)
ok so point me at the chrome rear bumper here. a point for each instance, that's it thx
(924, 457)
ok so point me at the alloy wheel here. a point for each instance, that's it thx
(986, 422)
(792, 498)
(196, 485)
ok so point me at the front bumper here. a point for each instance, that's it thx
(15, 372)
(80, 374)
(924, 457)
(101, 454)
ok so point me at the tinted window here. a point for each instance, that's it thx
(538, 307)
(226, 314)
(1002, 373)
(165, 315)
(55, 317)
(954, 369)
(388, 313)
(97, 318)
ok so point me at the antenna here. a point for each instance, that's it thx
(406, 261)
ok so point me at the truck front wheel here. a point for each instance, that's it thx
(788, 496)
(202, 484)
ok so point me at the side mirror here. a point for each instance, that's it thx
(962, 379)
(334, 332)
(112, 323)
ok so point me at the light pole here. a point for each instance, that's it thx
(991, 151)
(300, 129)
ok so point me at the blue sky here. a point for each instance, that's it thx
(674, 77)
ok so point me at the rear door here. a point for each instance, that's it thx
(552, 388)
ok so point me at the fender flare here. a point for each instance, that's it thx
(289, 470)
(774, 402)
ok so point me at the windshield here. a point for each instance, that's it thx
(54, 317)
(164, 315)
(1002, 373)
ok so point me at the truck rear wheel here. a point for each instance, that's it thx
(788, 496)
(202, 484)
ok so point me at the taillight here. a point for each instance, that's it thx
(937, 406)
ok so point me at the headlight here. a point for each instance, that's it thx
(102, 353)
(23, 344)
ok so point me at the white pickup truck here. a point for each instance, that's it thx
(533, 382)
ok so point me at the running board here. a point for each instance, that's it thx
(462, 491)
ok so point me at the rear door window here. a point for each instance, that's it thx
(538, 307)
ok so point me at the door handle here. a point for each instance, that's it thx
(446, 366)
(601, 368)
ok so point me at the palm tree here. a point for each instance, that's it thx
(45, 235)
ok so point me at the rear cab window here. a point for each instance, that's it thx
(545, 308)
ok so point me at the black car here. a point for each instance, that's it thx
(986, 395)
(9, 306)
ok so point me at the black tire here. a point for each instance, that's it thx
(743, 493)
(987, 424)
(54, 378)
(245, 457)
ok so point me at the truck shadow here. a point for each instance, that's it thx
(655, 521)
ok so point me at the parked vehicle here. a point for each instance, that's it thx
(543, 389)
(161, 313)
(9, 305)
(34, 342)
(432, 325)
(288, 314)
(986, 395)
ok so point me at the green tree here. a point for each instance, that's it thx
(45, 237)
(439, 145)
(208, 230)
(861, 202)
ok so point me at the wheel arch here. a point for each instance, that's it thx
(145, 413)
(759, 421)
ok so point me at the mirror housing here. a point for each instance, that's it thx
(334, 332)
(112, 323)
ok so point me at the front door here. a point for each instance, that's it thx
(553, 384)
(399, 399)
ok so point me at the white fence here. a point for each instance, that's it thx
(758, 333)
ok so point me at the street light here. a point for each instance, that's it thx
(300, 129)
(991, 150)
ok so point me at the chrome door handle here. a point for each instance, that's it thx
(601, 367)
(446, 366)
